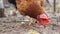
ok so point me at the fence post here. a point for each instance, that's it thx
(1, 9)
(54, 4)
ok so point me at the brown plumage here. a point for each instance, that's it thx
(31, 8)
(34, 9)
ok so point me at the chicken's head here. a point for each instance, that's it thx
(42, 19)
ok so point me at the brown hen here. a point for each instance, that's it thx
(32, 8)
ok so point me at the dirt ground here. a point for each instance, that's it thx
(14, 25)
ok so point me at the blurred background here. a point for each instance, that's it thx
(11, 19)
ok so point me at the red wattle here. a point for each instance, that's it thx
(39, 23)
